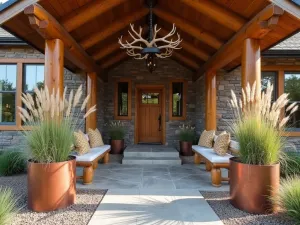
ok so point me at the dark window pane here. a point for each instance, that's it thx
(123, 98)
(150, 98)
(292, 86)
(8, 77)
(269, 76)
(7, 107)
(177, 94)
(33, 77)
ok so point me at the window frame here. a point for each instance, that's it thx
(116, 99)
(281, 70)
(184, 91)
(19, 89)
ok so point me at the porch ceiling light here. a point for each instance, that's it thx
(153, 47)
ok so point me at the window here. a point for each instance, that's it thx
(150, 98)
(123, 99)
(33, 76)
(269, 76)
(177, 104)
(292, 87)
(8, 83)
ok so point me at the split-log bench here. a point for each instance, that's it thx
(213, 162)
(89, 162)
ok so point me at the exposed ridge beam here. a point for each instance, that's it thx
(49, 28)
(185, 60)
(190, 28)
(87, 12)
(113, 47)
(217, 13)
(113, 28)
(256, 28)
(189, 47)
(113, 60)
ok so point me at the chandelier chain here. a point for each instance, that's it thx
(151, 21)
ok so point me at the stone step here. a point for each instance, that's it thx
(151, 160)
(150, 153)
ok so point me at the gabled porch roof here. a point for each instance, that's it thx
(213, 31)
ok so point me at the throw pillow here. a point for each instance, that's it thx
(222, 143)
(207, 138)
(95, 138)
(81, 143)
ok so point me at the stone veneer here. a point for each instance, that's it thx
(11, 139)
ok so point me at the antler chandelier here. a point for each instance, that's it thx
(149, 49)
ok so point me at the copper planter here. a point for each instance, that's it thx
(117, 146)
(186, 148)
(51, 186)
(252, 186)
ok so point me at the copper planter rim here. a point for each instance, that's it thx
(236, 159)
(71, 158)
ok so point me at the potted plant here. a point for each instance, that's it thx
(51, 170)
(117, 133)
(186, 138)
(258, 127)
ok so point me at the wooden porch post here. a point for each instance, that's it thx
(91, 121)
(54, 65)
(251, 64)
(211, 102)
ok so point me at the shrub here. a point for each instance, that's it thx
(291, 166)
(54, 120)
(12, 162)
(116, 130)
(7, 206)
(288, 198)
(258, 125)
(186, 133)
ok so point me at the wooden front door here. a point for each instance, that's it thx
(149, 115)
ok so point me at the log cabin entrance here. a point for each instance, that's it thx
(150, 114)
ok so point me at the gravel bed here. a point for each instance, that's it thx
(87, 202)
(219, 201)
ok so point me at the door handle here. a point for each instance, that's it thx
(159, 122)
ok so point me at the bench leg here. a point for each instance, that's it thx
(197, 158)
(208, 166)
(106, 158)
(216, 177)
(88, 175)
(95, 165)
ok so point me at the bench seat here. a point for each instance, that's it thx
(210, 155)
(92, 155)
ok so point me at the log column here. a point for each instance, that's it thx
(211, 102)
(91, 120)
(251, 64)
(54, 65)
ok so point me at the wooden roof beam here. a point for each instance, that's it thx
(189, 47)
(113, 60)
(289, 7)
(189, 28)
(185, 60)
(49, 28)
(218, 13)
(113, 28)
(87, 12)
(256, 28)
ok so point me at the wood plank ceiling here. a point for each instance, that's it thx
(204, 25)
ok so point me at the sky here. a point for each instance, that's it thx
(2, 1)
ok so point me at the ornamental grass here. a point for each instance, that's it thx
(12, 162)
(116, 130)
(7, 206)
(259, 124)
(186, 133)
(53, 119)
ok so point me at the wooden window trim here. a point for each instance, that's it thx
(185, 84)
(20, 62)
(116, 116)
(281, 69)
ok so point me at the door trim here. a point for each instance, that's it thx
(163, 110)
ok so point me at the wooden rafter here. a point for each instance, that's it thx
(113, 28)
(88, 12)
(256, 28)
(189, 47)
(288, 6)
(17, 8)
(113, 60)
(190, 28)
(186, 61)
(49, 28)
(217, 13)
